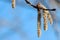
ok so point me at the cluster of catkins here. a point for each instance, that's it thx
(13, 3)
(47, 17)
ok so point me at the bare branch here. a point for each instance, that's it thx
(30, 3)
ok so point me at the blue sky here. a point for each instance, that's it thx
(28, 18)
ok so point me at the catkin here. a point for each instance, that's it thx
(13, 3)
(45, 21)
(39, 30)
(39, 23)
(50, 18)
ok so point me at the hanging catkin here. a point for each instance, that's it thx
(39, 23)
(50, 18)
(45, 21)
(13, 3)
(39, 30)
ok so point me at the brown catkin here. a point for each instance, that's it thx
(13, 3)
(39, 23)
(39, 30)
(50, 18)
(45, 21)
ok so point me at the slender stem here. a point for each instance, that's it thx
(30, 3)
(48, 9)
